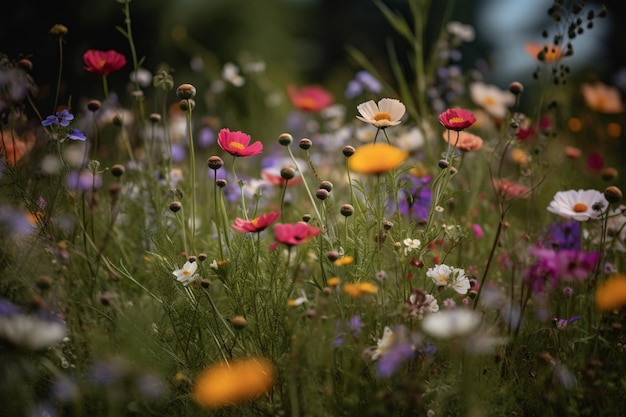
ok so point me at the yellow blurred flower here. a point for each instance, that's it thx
(333, 282)
(344, 260)
(357, 289)
(611, 294)
(235, 382)
(377, 158)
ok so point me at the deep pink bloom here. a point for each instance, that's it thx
(310, 99)
(238, 143)
(257, 224)
(293, 234)
(457, 119)
(103, 62)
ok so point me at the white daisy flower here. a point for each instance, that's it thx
(410, 245)
(447, 324)
(447, 276)
(579, 205)
(410, 140)
(187, 273)
(495, 101)
(464, 32)
(29, 331)
(387, 112)
(384, 344)
(230, 73)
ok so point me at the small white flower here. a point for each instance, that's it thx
(410, 140)
(581, 205)
(420, 303)
(213, 265)
(187, 273)
(447, 276)
(464, 32)
(387, 112)
(142, 76)
(384, 344)
(298, 301)
(495, 101)
(447, 324)
(410, 245)
(230, 73)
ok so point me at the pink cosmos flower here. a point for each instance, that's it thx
(103, 62)
(238, 143)
(309, 99)
(293, 234)
(255, 225)
(457, 119)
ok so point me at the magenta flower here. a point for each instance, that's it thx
(103, 62)
(457, 119)
(238, 143)
(255, 225)
(293, 234)
(553, 267)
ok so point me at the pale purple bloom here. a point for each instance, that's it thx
(83, 180)
(395, 356)
(61, 118)
(76, 134)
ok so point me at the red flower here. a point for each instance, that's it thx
(293, 234)
(310, 99)
(238, 143)
(103, 62)
(457, 119)
(255, 225)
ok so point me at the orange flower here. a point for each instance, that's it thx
(344, 260)
(464, 141)
(235, 382)
(611, 294)
(13, 147)
(357, 289)
(602, 98)
(545, 53)
(510, 190)
(333, 282)
(377, 158)
(309, 99)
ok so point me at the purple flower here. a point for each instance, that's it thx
(368, 81)
(61, 118)
(76, 134)
(416, 199)
(83, 180)
(553, 267)
(355, 325)
(563, 235)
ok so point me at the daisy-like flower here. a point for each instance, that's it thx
(447, 276)
(61, 118)
(293, 234)
(257, 224)
(311, 99)
(602, 98)
(295, 302)
(448, 324)
(410, 245)
(491, 98)
(388, 112)
(457, 119)
(579, 205)
(420, 303)
(233, 382)
(103, 62)
(377, 158)
(238, 143)
(187, 273)
(463, 141)
(385, 343)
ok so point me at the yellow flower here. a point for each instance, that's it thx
(344, 260)
(611, 294)
(333, 282)
(235, 382)
(377, 158)
(356, 290)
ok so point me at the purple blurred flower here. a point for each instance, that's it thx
(83, 180)
(561, 324)
(76, 134)
(61, 118)
(206, 137)
(355, 325)
(395, 356)
(553, 267)
(416, 198)
(563, 235)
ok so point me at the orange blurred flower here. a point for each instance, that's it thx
(235, 382)
(464, 141)
(13, 146)
(377, 158)
(611, 294)
(357, 289)
(602, 98)
(545, 53)
(510, 190)
(309, 99)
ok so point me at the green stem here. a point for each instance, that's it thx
(192, 178)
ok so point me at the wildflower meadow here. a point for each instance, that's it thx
(406, 238)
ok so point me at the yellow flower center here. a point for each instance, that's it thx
(254, 222)
(382, 116)
(456, 120)
(489, 101)
(102, 63)
(579, 208)
(307, 103)
(442, 278)
(236, 145)
(185, 272)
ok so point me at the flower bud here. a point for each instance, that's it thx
(332, 255)
(346, 210)
(322, 194)
(387, 225)
(186, 91)
(613, 194)
(94, 105)
(306, 218)
(118, 170)
(221, 182)
(516, 88)
(175, 206)
(202, 257)
(215, 162)
(43, 282)
(58, 30)
(285, 139)
(155, 117)
(25, 64)
(106, 299)
(443, 164)
(326, 185)
(305, 144)
(348, 151)
(608, 173)
(205, 283)
(187, 104)
(287, 173)
(239, 322)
